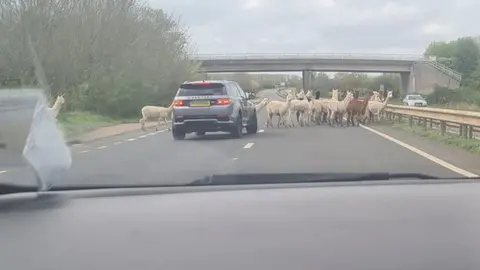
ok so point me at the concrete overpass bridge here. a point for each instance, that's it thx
(416, 72)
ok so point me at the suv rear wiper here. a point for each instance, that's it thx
(281, 178)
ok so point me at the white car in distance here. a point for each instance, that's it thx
(414, 100)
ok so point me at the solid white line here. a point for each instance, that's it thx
(141, 137)
(131, 139)
(3, 171)
(261, 130)
(84, 151)
(101, 147)
(117, 143)
(423, 154)
(248, 145)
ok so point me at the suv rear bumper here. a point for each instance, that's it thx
(203, 125)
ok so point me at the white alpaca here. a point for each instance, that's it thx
(300, 105)
(55, 109)
(375, 108)
(320, 107)
(156, 112)
(261, 105)
(339, 108)
(375, 96)
(279, 108)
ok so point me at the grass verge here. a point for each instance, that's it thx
(472, 146)
(77, 123)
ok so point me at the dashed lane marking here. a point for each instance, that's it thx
(423, 154)
(2, 171)
(261, 130)
(125, 140)
(235, 158)
(248, 145)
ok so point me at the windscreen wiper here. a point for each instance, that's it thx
(282, 178)
(13, 188)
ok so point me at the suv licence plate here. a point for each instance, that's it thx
(200, 103)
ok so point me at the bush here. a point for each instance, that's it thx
(444, 96)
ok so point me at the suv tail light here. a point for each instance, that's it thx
(223, 101)
(178, 103)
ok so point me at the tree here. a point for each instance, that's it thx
(465, 57)
(461, 55)
(109, 57)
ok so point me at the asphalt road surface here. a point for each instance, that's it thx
(155, 158)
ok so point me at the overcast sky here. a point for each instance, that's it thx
(307, 26)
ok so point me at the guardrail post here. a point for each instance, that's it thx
(461, 131)
(410, 120)
(470, 132)
(442, 127)
(425, 123)
(431, 123)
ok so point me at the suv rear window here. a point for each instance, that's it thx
(415, 97)
(201, 89)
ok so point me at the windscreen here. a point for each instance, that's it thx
(142, 98)
(202, 89)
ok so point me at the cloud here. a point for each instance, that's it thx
(302, 26)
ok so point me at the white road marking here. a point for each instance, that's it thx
(3, 171)
(248, 145)
(102, 147)
(131, 139)
(423, 154)
(261, 130)
(142, 136)
(117, 143)
(84, 151)
(235, 158)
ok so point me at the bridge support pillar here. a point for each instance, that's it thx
(407, 82)
(307, 80)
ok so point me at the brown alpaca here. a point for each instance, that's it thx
(356, 108)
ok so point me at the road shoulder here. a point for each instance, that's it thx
(455, 156)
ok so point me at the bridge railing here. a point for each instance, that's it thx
(254, 56)
(452, 73)
(337, 56)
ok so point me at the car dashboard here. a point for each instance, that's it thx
(398, 224)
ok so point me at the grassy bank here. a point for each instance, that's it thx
(472, 146)
(76, 123)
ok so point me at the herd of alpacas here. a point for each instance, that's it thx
(323, 110)
(307, 109)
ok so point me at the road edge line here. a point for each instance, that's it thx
(79, 141)
(424, 154)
